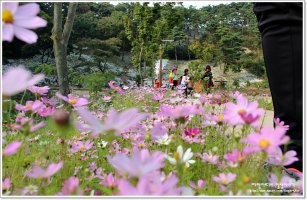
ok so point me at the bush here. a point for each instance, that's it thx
(252, 64)
(196, 70)
(95, 81)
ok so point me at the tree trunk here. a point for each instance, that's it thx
(176, 53)
(60, 38)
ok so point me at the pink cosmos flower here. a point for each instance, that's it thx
(80, 146)
(225, 179)
(157, 97)
(243, 112)
(33, 106)
(74, 101)
(267, 140)
(139, 164)
(179, 111)
(38, 172)
(45, 111)
(235, 95)
(6, 184)
(115, 122)
(200, 184)
(150, 186)
(116, 88)
(22, 121)
(210, 158)
(278, 158)
(109, 181)
(39, 90)
(106, 98)
(17, 20)
(11, 148)
(193, 131)
(235, 156)
(18, 79)
(71, 187)
(281, 124)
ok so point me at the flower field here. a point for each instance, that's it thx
(139, 141)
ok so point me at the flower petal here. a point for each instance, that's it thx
(11, 6)
(25, 35)
(7, 32)
(26, 11)
(32, 23)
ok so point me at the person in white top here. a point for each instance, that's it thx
(185, 81)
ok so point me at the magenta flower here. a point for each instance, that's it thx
(267, 140)
(6, 184)
(39, 90)
(278, 158)
(11, 148)
(74, 101)
(71, 187)
(193, 131)
(17, 20)
(235, 156)
(139, 164)
(210, 158)
(33, 106)
(80, 146)
(38, 172)
(18, 79)
(200, 184)
(154, 186)
(225, 179)
(243, 112)
(116, 88)
(109, 181)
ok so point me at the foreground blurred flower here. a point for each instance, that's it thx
(61, 117)
(180, 157)
(278, 158)
(11, 148)
(225, 179)
(6, 184)
(71, 187)
(267, 140)
(39, 90)
(18, 79)
(284, 183)
(38, 172)
(109, 181)
(139, 164)
(151, 186)
(115, 122)
(243, 112)
(193, 131)
(74, 101)
(16, 20)
(80, 146)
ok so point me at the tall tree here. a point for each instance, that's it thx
(60, 36)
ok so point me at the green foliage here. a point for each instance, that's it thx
(196, 70)
(252, 64)
(94, 81)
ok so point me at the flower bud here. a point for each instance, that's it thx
(61, 117)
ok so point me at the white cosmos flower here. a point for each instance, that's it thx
(164, 140)
(180, 157)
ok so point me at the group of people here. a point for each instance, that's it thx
(184, 80)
